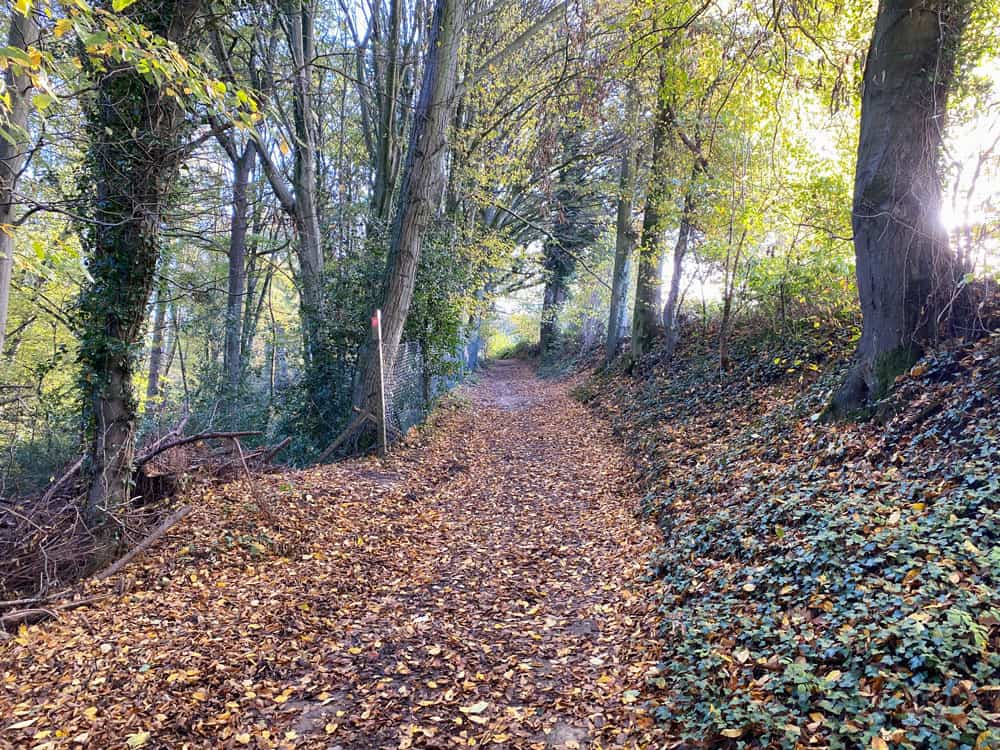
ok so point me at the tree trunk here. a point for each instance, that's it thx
(23, 34)
(674, 291)
(156, 349)
(907, 276)
(136, 138)
(421, 189)
(591, 329)
(624, 241)
(558, 268)
(646, 314)
(299, 29)
(233, 354)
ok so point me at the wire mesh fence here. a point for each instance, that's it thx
(411, 389)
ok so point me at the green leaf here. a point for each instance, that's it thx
(42, 101)
(17, 55)
(119, 5)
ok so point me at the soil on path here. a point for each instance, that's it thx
(483, 586)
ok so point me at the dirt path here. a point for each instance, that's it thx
(479, 588)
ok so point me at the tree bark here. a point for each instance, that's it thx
(674, 291)
(156, 349)
(236, 291)
(558, 268)
(421, 189)
(136, 137)
(907, 275)
(624, 242)
(23, 34)
(646, 314)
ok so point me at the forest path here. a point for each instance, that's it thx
(481, 587)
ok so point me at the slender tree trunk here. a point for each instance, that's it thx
(136, 147)
(233, 354)
(907, 276)
(591, 323)
(733, 257)
(299, 29)
(674, 291)
(422, 186)
(156, 349)
(624, 241)
(23, 34)
(646, 315)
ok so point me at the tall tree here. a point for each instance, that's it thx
(624, 232)
(573, 229)
(299, 196)
(907, 275)
(242, 163)
(646, 313)
(13, 149)
(422, 186)
(137, 144)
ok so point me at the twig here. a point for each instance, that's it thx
(270, 453)
(146, 543)
(37, 614)
(71, 472)
(149, 455)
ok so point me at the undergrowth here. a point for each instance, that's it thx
(827, 585)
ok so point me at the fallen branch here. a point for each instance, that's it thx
(168, 523)
(348, 431)
(174, 432)
(270, 453)
(151, 454)
(26, 617)
(38, 614)
(71, 472)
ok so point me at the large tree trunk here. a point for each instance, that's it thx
(233, 354)
(23, 34)
(136, 140)
(907, 276)
(422, 187)
(646, 314)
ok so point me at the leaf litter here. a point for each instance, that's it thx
(483, 586)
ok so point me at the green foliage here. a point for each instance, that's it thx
(833, 582)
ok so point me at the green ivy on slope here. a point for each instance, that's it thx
(826, 585)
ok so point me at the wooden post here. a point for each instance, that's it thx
(380, 395)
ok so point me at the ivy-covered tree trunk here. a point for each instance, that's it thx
(23, 33)
(136, 138)
(558, 269)
(648, 293)
(907, 276)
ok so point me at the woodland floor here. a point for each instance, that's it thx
(483, 586)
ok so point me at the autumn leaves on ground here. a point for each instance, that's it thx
(484, 586)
